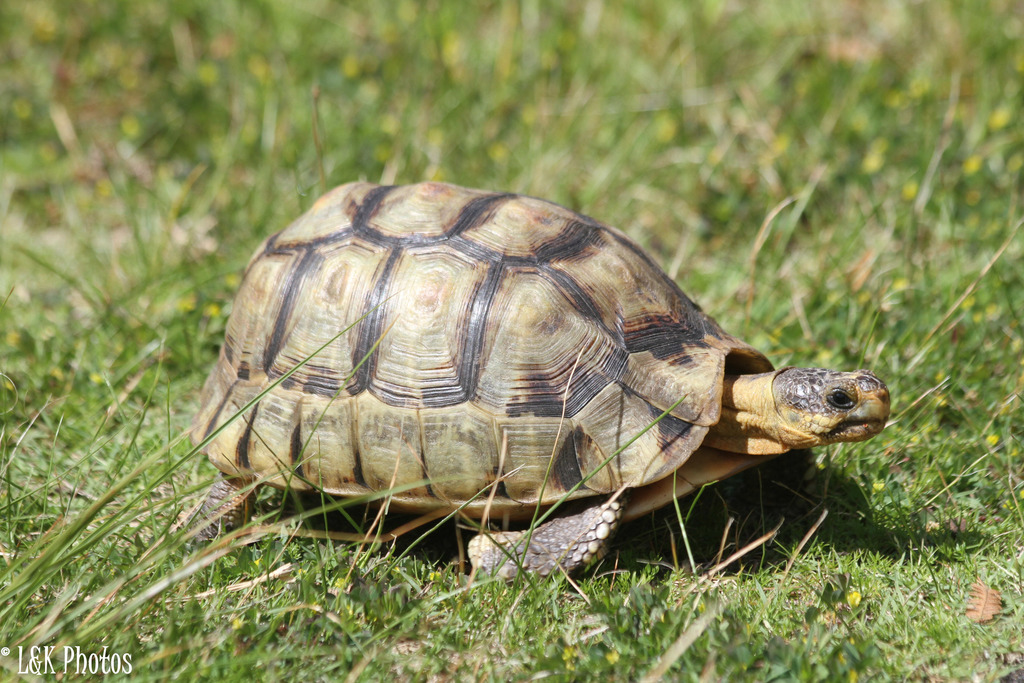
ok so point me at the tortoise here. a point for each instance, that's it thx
(495, 354)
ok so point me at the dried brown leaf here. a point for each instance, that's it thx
(984, 603)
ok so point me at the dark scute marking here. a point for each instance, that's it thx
(289, 383)
(289, 290)
(476, 327)
(556, 249)
(572, 240)
(322, 385)
(664, 336)
(212, 424)
(372, 327)
(357, 466)
(271, 244)
(400, 398)
(477, 251)
(242, 449)
(581, 301)
(541, 397)
(351, 211)
(442, 396)
(695, 317)
(626, 242)
(670, 428)
(243, 370)
(229, 351)
(371, 202)
(295, 448)
(468, 371)
(315, 243)
(476, 212)
(305, 244)
(565, 470)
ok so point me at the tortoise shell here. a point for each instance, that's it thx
(433, 340)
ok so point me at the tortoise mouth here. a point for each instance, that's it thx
(857, 431)
(865, 421)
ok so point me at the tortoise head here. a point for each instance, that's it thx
(818, 406)
(774, 412)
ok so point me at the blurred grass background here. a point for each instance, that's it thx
(147, 148)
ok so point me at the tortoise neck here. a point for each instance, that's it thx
(747, 423)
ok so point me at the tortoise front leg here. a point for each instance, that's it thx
(567, 541)
(227, 507)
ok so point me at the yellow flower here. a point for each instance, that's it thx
(895, 99)
(999, 118)
(451, 48)
(389, 124)
(407, 12)
(992, 439)
(877, 486)
(22, 108)
(237, 623)
(665, 127)
(920, 86)
(259, 67)
(910, 189)
(187, 303)
(781, 143)
(529, 115)
(872, 163)
(350, 66)
(853, 598)
(48, 152)
(498, 152)
(44, 28)
(875, 158)
(612, 656)
(207, 73)
(972, 164)
(129, 78)
(569, 655)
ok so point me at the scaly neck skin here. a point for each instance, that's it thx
(749, 422)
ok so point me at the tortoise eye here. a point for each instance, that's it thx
(841, 399)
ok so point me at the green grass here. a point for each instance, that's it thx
(147, 150)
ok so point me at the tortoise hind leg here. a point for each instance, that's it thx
(227, 507)
(567, 541)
